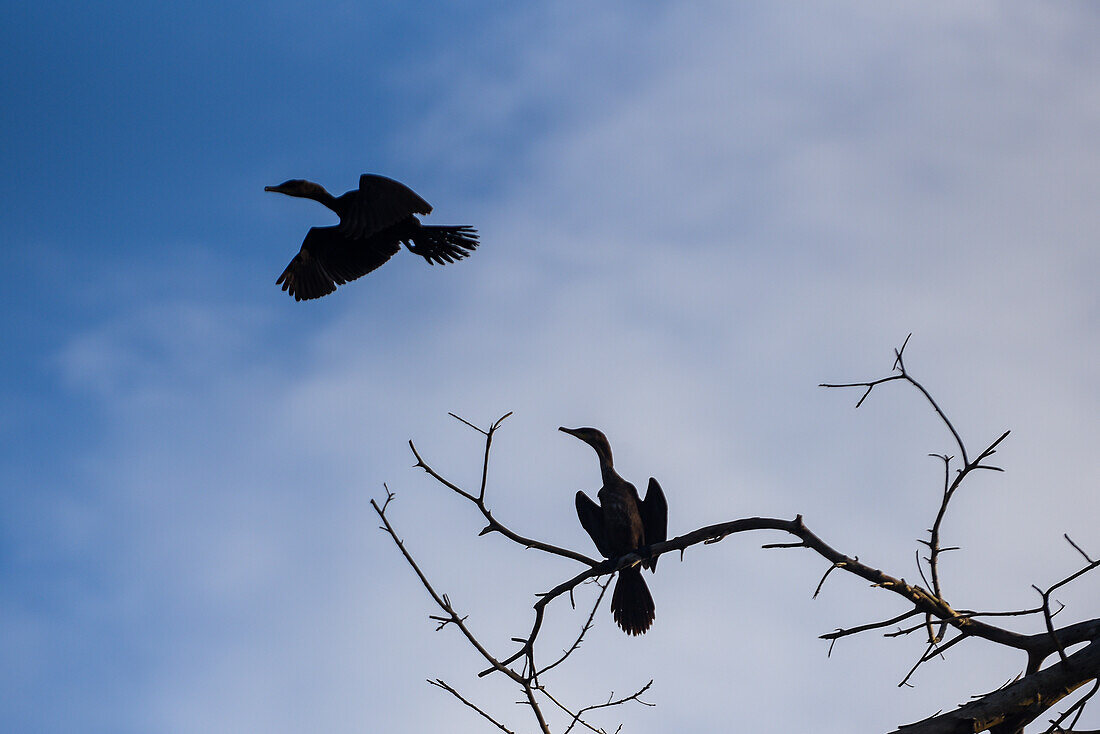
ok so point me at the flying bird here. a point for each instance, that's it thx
(374, 220)
(620, 524)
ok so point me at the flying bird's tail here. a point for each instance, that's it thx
(631, 603)
(442, 244)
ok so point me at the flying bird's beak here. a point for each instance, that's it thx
(271, 188)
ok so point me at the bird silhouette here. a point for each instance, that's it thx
(623, 523)
(374, 220)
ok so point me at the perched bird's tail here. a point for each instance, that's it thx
(631, 603)
(442, 244)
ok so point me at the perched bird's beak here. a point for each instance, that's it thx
(271, 188)
(570, 431)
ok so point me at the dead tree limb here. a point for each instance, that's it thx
(1005, 711)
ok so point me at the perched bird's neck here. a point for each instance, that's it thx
(608, 473)
(607, 464)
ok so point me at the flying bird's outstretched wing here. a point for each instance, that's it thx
(591, 517)
(379, 203)
(654, 511)
(438, 245)
(328, 259)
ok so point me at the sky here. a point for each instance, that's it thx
(691, 215)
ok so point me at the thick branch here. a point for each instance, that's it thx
(1022, 701)
(922, 599)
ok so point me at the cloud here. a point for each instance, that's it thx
(769, 200)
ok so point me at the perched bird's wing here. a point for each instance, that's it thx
(591, 517)
(379, 203)
(654, 510)
(328, 259)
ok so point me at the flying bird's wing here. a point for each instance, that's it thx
(591, 517)
(440, 245)
(328, 259)
(654, 510)
(379, 203)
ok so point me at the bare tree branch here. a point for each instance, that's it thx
(1005, 711)
(1073, 712)
(872, 626)
(440, 683)
(479, 500)
(1022, 701)
(584, 630)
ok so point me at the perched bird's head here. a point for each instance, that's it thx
(298, 187)
(594, 438)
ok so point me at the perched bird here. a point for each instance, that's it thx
(374, 220)
(621, 524)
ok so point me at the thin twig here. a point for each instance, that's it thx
(845, 632)
(611, 701)
(584, 630)
(1077, 548)
(440, 683)
(479, 500)
(828, 571)
(441, 600)
(1075, 711)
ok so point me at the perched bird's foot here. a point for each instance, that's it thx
(625, 561)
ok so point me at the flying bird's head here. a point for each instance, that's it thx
(594, 438)
(298, 187)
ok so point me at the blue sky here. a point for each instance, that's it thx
(691, 215)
